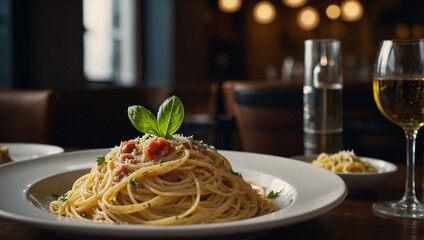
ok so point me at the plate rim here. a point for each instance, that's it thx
(200, 230)
(56, 149)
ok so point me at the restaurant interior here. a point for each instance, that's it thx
(70, 69)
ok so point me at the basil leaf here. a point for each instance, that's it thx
(170, 116)
(143, 120)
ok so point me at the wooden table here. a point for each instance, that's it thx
(352, 219)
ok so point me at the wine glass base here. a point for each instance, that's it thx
(400, 209)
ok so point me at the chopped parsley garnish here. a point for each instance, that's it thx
(134, 182)
(148, 136)
(161, 161)
(273, 194)
(203, 198)
(149, 205)
(258, 211)
(235, 173)
(101, 160)
(193, 141)
(204, 145)
(83, 215)
(145, 172)
(63, 198)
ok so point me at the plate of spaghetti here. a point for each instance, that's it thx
(165, 185)
(359, 173)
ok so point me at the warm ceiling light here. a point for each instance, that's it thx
(307, 18)
(402, 30)
(264, 12)
(332, 11)
(294, 3)
(229, 6)
(417, 31)
(352, 10)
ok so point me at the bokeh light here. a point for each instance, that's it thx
(294, 3)
(307, 18)
(352, 10)
(417, 31)
(402, 30)
(332, 11)
(264, 12)
(229, 6)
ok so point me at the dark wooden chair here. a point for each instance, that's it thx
(268, 116)
(26, 115)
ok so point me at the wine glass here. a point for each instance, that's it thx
(398, 87)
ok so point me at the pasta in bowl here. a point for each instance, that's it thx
(343, 161)
(359, 173)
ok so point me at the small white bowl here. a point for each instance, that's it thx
(356, 182)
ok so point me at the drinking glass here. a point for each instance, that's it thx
(398, 87)
(322, 97)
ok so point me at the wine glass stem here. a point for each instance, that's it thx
(410, 195)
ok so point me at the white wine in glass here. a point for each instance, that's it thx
(401, 101)
(398, 87)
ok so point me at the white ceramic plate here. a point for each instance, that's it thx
(362, 181)
(26, 151)
(26, 188)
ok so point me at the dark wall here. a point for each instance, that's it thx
(47, 43)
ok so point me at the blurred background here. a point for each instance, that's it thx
(97, 56)
(71, 44)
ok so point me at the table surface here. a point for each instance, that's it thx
(352, 219)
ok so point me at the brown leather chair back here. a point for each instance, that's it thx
(26, 115)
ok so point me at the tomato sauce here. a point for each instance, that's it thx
(121, 173)
(127, 146)
(195, 147)
(157, 149)
(171, 176)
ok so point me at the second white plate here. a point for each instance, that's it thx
(362, 181)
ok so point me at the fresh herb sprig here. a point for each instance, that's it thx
(204, 145)
(235, 173)
(83, 214)
(273, 194)
(101, 160)
(169, 118)
(258, 211)
(63, 198)
(134, 182)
